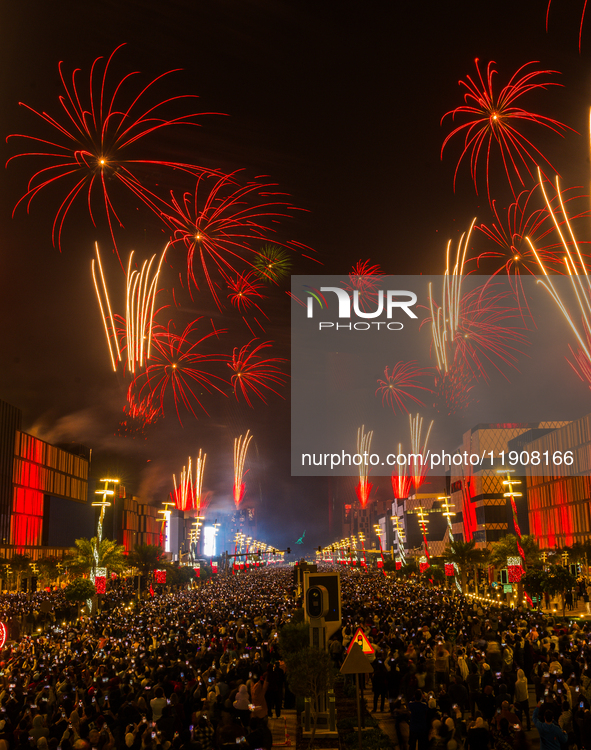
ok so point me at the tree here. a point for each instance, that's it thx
(580, 553)
(507, 547)
(310, 674)
(411, 567)
(145, 558)
(535, 582)
(180, 575)
(80, 590)
(294, 637)
(465, 556)
(4, 572)
(559, 580)
(49, 568)
(110, 555)
(20, 564)
(434, 574)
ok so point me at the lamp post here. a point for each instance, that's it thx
(166, 512)
(103, 505)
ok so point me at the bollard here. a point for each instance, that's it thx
(332, 712)
(307, 704)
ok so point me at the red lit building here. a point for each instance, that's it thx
(483, 513)
(43, 490)
(559, 506)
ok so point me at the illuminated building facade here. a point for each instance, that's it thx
(137, 522)
(559, 507)
(43, 490)
(482, 512)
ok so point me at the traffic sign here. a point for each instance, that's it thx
(361, 640)
(356, 662)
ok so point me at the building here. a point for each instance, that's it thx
(478, 496)
(44, 490)
(559, 505)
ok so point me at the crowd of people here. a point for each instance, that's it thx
(457, 673)
(202, 670)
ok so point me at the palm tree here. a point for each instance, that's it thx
(465, 556)
(507, 547)
(145, 558)
(110, 555)
(20, 564)
(4, 572)
(49, 568)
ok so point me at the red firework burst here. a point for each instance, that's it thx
(244, 290)
(486, 333)
(91, 140)
(525, 220)
(252, 374)
(176, 367)
(453, 389)
(401, 484)
(396, 384)
(491, 117)
(222, 224)
(364, 279)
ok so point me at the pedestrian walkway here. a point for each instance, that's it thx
(384, 718)
(283, 729)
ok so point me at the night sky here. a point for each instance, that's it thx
(339, 104)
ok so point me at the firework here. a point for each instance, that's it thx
(253, 375)
(445, 320)
(138, 415)
(244, 293)
(419, 467)
(580, 25)
(364, 283)
(220, 224)
(580, 282)
(87, 150)
(396, 385)
(240, 448)
(273, 264)
(141, 290)
(523, 220)
(187, 493)
(453, 389)
(401, 482)
(363, 489)
(472, 330)
(177, 366)
(490, 122)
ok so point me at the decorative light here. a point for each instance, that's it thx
(100, 580)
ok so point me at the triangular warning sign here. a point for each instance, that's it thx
(356, 662)
(361, 640)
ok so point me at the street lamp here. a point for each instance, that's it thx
(166, 512)
(103, 505)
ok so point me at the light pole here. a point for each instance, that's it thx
(166, 524)
(103, 505)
